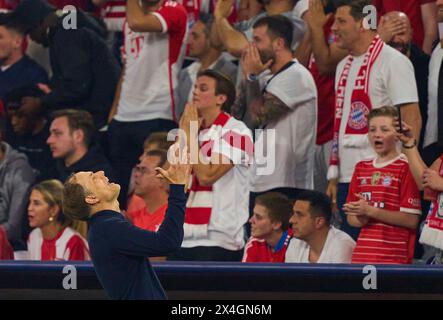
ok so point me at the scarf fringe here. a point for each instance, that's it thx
(195, 231)
(432, 237)
(332, 172)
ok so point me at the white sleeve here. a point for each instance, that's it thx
(293, 87)
(295, 251)
(290, 252)
(300, 8)
(400, 80)
(342, 251)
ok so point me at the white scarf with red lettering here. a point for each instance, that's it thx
(432, 233)
(357, 123)
(199, 204)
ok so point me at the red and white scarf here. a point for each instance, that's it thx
(357, 123)
(199, 204)
(432, 233)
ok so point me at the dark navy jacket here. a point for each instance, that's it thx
(23, 73)
(119, 250)
(85, 72)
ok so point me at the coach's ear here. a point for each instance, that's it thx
(91, 200)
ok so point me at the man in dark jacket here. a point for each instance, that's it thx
(118, 249)
(71, 143)
(16, 68)
(85, 73)
(16, 178)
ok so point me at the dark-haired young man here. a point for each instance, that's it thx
(207, 57)
(221, 151)
(314, 239)
(269, 229)
(85, 73)
(70, 140)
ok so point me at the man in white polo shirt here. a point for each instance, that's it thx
(314, 239)
(371, 76)
(154, 46)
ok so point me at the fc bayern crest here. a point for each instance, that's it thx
(359, 115)
(387, 180)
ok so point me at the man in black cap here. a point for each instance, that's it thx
(85, 73)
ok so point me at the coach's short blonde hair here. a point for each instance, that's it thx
(74, 204)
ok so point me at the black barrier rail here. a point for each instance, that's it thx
(230, 280)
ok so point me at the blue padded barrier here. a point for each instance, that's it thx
(195, 276)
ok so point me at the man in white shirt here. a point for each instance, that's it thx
(371, 76)
(281, 97)
(314, 239)
(207, 57)
(433, 141)
(155, 37)
(221, 151)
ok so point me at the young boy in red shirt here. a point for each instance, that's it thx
(383, 198)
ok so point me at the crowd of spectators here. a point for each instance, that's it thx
(315, 136)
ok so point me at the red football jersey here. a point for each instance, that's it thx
(257, 250)
(326, 93)
(388, 186)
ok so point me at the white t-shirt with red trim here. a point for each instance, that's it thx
(228, 199)
(391, 82)
(67, 245)
(153, 60)
(389, 186)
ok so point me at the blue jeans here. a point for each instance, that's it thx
(342, 194)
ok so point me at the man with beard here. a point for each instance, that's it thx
(282, 99)
(395, 29)
(85, 74)
(235, 38)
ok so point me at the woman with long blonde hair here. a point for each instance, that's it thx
(53, 237)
